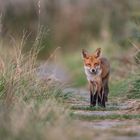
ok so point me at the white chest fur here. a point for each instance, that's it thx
(91, 76)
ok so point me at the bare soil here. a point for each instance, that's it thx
(120, 129)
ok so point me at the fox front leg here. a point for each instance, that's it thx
(93, 94)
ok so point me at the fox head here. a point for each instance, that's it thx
(92, 62)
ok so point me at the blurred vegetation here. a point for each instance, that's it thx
(30, 107)
(35, 108)
(76, 24)
(70, 24)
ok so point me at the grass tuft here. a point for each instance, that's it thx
(105, 117)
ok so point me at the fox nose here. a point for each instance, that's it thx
(93, 70)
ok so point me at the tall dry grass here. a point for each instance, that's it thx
(30, 107)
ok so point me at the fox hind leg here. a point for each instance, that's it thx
(103, 99)
(106, 91)
(106, 87)
(99, 99)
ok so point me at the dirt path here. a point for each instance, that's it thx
(119, 121)
(116, 119)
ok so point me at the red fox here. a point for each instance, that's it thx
(97, 70)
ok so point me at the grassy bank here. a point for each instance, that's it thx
(30, 107)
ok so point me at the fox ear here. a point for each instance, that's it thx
(98, 52)
(84, 53)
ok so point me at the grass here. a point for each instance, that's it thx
(128, 88)
(32, 108)
(19, 75)
(45, 120)
(109, 117)
(22, 119)
(134, 91)
(75, 66)
(88, 108)
(119, 89)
